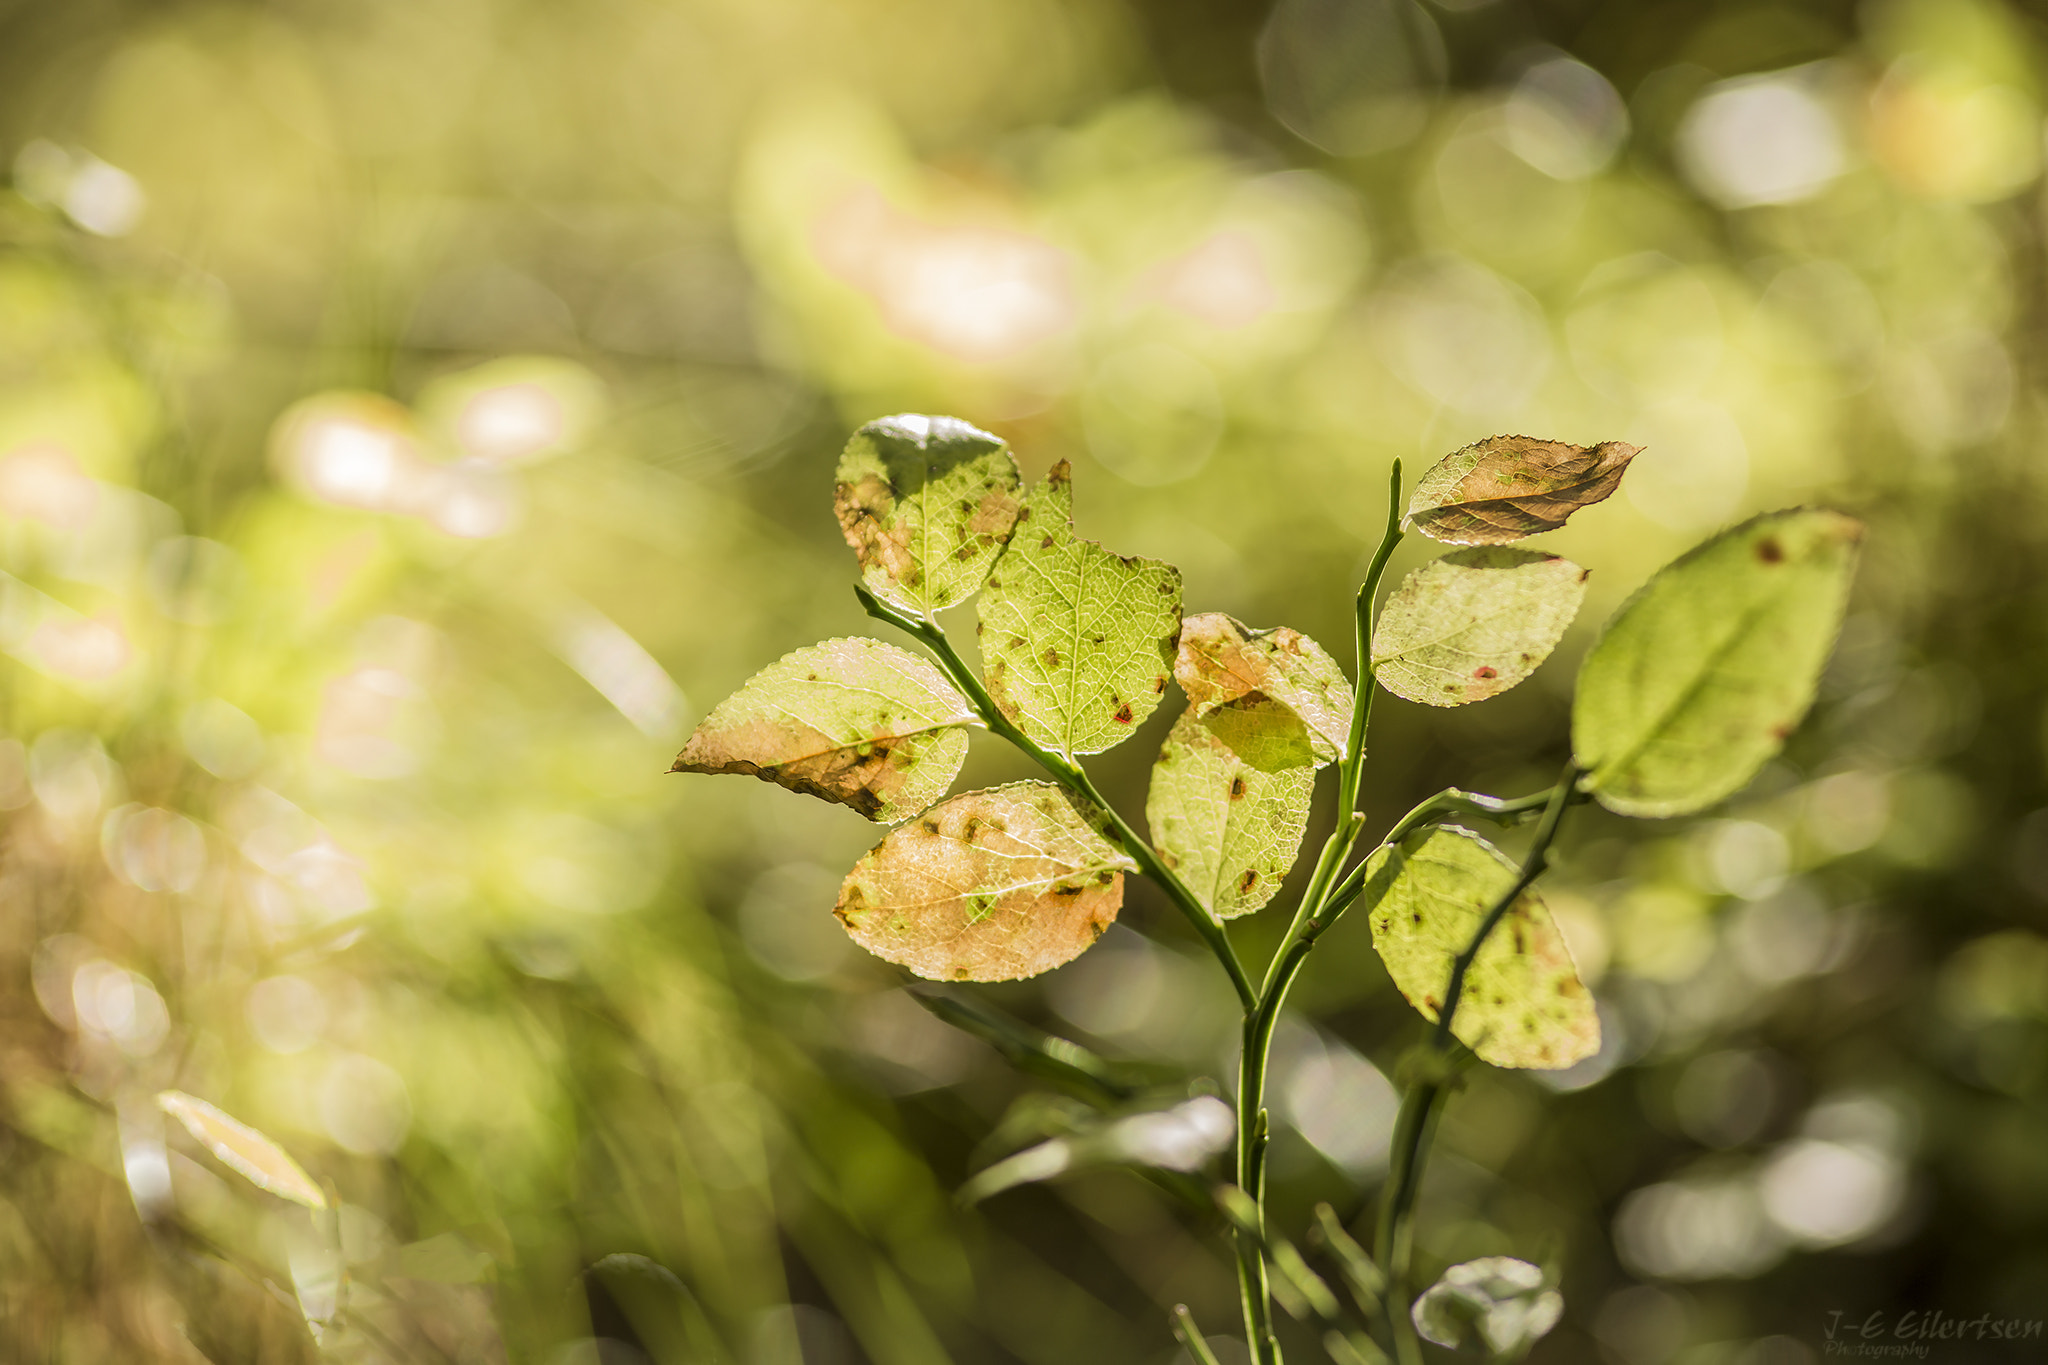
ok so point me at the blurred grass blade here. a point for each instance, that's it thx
(1033, 1051)
(1353, 1348)
(1190, 1336)
(244, 1150)
(1361, 1276)
(1306, 1284)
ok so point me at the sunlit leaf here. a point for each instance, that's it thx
(856, 721)
(1229, 828)
(1506, 487)
(989, 886)
(1523, 1003)
(1221, 659)
(242, 1149)
(1077, 643)
(927, 503)
(1708, 669)
(1474, 623)
(1503, 1299)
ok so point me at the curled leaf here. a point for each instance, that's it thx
(1707, 670)
(1473, 624)
(989, 886)
(1502, 1298)
(1221, 659)
(243, 1150)
(1076, 642)
(1506, 487)
(1229, 827)
(1523, 1003)
(855, 721)
(927, 503)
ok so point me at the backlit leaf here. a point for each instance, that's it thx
(855, 721)
(1506, 487)
(989, 886)
(927, 503)
(1221, 659)
(1504, 1300)
(1076, 642)
(1229, 828)
(1474, 623)
(1523, 1003)
(1705, 672)
(242, 1149)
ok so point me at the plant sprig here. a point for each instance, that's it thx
(1694, 685)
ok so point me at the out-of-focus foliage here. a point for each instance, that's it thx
(413, 415)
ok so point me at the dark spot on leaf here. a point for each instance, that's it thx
(1105, 877)
(1098, 639)
(1045, 544)
(1430, 1001)
(1236, 788)
(1770, 551)
(1124, 715)
(965, 552)
(810, 677)
(1485, 673)
(1159, 683)
(1051, 657)
(1016, 642)
(928, 826)
(1068, 890)
(1781, 733)
(1416, 916)
(1249, 880)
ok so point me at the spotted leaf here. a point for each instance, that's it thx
(1474, 623)
(1221, 659)
(855, 721)
(1230, 827)
(1705, 672)
(1077, 643)
(989, 886)
(927, 503)
(1523, 1004)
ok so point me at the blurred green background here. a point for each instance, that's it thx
(414, 415)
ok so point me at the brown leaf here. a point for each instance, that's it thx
(990, 886)
(1506, 487)
(1221, 660)
(855, 721)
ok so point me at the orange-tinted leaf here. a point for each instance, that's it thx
(855, 721)
(1222, 660)
(1506, 487)
(989, 886)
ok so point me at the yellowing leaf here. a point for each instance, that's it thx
(1076, 642)
(1523, 1003)
(989, 886)
(242, 1149)
(1474, 623)
(1230, 828)
(927, 503)
(1506, 487)
(1221, 659)
(1706, 671)
(855, 721)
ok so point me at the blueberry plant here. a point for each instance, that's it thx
(1694, 685)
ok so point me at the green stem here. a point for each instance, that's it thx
(1068, 774)
(1423, 1103)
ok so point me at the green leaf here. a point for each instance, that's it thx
(1506, 487)
(927, 503)
(1523, 1003)
(242, 1149)
(1221, 659)
(855, 721)
(1473, 624)
(1709, 668)
(1076, 642)
(1230, 828)
(1182, 1138)
(989, 886)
